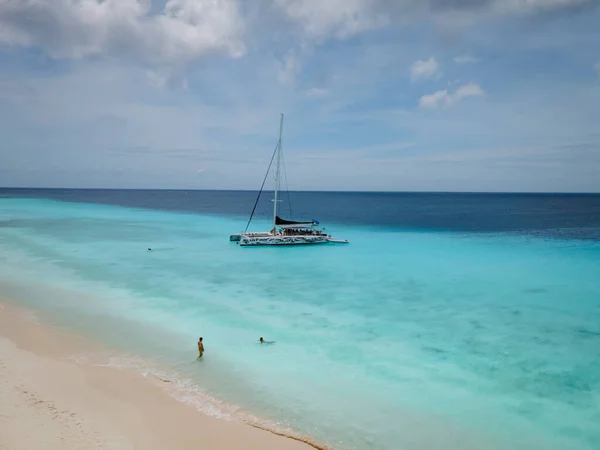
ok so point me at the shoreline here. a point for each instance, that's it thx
(50, 400)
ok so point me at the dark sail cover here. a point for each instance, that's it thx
(280, 221)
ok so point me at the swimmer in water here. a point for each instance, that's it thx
(262, 341)
(200, 348)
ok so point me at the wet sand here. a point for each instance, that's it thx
(51, 401)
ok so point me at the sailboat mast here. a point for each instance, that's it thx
(275, 200)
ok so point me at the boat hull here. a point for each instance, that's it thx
(253, 241)
(237, 237)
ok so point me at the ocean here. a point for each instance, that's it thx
(450, 321)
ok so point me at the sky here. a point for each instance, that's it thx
(384, 95)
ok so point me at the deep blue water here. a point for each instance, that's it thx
(559, 215)
(461, 321)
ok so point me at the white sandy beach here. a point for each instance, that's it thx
(49, 401)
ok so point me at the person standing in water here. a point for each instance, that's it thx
(200, 348)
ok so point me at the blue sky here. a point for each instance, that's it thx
(461, 95)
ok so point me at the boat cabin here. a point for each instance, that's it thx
(291, 228)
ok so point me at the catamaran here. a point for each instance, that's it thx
(284, 232)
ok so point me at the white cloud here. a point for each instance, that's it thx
(320, 19)
(435, 100)
(443, 98)
(465, 59)
(187, 29)
(167, 80)
(288, 67)
(184, 30)
(469, 90)
(424, 69)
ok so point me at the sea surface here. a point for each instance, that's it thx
(450, 321)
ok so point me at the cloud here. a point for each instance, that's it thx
(424, 69)
(288, 67)
(465, 59)
(443, 98)
(320, 19)
(166, 80)
(434, 100)
(184, 30)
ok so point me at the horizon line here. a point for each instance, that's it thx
(304, 190)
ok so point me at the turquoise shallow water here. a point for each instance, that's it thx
(402, 339)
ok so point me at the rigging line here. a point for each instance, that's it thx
(261, 188)
(286, 185)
